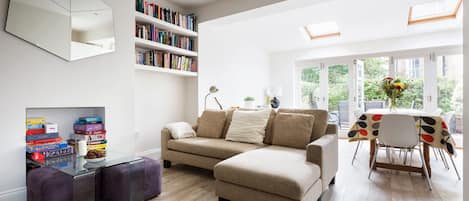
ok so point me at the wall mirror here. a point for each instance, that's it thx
(70, 29)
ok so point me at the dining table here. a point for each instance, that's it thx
(432, 129)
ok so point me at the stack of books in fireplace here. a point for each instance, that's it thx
(92, 130)
(43, 140)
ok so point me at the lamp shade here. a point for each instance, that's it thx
(213, 89)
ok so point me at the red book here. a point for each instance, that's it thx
(59, 139)
(36, 131)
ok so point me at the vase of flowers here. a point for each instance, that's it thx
(394, 89)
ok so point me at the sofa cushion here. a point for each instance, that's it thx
(268, 128)
(210, 147)
(292, 130)
(320, 120)
(248, 126)
(211, 123)
(278, 170)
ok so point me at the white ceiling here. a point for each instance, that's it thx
(358, 20)
(192, 3)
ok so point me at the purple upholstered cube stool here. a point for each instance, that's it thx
(47, 184)
(116, 179)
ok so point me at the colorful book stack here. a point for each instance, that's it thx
(43, 141)
(166, 60)
(92, 130)
(150, 32)
(152, 9)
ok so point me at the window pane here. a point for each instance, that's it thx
(376, 69)
(411, 72)
(338, 93)
(450, 91)
(309, 88)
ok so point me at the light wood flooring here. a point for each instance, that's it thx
(184, 183)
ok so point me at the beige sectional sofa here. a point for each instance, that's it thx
(262, 172)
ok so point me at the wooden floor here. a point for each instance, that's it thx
(184, 183)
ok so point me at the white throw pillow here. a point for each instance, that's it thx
(180, 130)
(248, 126)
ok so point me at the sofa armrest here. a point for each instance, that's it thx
(165, 137)
(332, 129)
(324, 152)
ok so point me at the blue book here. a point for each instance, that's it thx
(34, 126)
(30, 138)
(89, 120)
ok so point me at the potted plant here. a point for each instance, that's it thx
(249, 102)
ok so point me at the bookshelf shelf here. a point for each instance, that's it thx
(165, 70)
(147, 44)
(140, 17)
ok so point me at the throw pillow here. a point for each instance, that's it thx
(248, 126)
(320, 120)
(180, 130)
(211, 123)
(292, 130)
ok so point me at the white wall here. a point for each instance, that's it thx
(466, 101)
(236, 67)
(283, 64)
(31, 77)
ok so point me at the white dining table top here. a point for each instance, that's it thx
(412, 112)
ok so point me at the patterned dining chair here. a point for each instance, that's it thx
(399, 132)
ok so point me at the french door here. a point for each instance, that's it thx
(328, 86)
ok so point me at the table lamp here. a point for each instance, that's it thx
(212, 90)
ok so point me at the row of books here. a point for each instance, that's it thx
(166, 60)
(152, 9)
(43, 140)
(150, 32)
(90, 129)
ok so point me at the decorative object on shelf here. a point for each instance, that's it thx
(394, 89)
(249, 102)
(212, 90)
(48, 25)
(268, 97)
(275, 102)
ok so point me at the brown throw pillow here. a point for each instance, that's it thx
(292, 130)
(320, 120)
(211, 123)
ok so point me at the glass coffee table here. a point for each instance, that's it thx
(83, 173)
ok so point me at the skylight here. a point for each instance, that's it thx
(434, 11)
(322, 30)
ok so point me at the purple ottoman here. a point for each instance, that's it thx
(47, 184)
(142, 181)
(152, 185)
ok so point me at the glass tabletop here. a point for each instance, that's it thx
(76, 166)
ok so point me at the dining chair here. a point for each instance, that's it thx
(399, 132)
(357, 114)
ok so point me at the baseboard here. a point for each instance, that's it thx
(152, 152)
(17, 194)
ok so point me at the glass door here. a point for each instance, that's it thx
(450, 93)
(310, 88)
(338, 85)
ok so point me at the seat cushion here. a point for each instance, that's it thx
(320, 120)
(292, 130)
(211, 123)
(278, 170)
(210, 147)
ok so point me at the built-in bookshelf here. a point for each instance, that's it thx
(165, 40)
